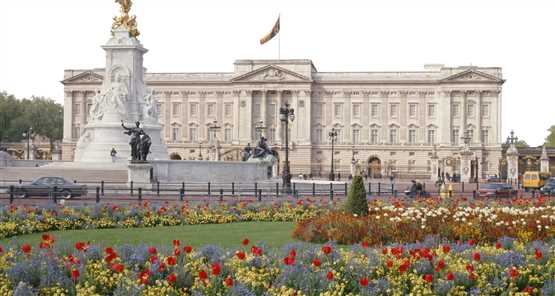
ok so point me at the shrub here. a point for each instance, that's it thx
(356, 200)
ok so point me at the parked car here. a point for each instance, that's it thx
(549, 187)
(496, 190)
(45, 185)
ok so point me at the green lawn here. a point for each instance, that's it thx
(275, 234)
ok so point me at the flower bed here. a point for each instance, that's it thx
(411, 221)
(507, 267)
(23, 220)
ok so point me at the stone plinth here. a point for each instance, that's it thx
(139, 174)
(177, 171)
(544, 161)
(512, 164)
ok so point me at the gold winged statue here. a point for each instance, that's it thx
(125, 20)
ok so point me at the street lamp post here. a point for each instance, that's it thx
(28, 135)
(333, 137)
(286, 114)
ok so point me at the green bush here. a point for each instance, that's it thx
(356, 200)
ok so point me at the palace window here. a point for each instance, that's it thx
(76, 132)
(271, 135)
(193, 109)
(211, 109)
(456, 109)
(175, 134)
(228, 109)
(374, 136)
(176, 109)
(338, 110)
(413, 109)
(412, 136)
(394, 110)
(431, 136)
(356, 110)
(470, 110)
(485, 136)
(374, 110)
(431, 110)
(393, 135)
(455, 136)
(485, 110)
(318, 135)
(193, 134)
(228, 134)
(356, 136)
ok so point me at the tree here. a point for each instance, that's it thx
(42, 114)
(550, 140)
(521, 144)
(356, 200)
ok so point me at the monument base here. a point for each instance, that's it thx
(139, 174)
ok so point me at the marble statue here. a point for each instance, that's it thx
(150, 109)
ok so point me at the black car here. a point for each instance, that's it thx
(44, 186)
(549, 187)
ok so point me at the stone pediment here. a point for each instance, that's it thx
(472, 75)
(271, 73)
(86, 77)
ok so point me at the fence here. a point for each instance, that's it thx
(106, 191)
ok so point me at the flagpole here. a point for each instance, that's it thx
(279, 37)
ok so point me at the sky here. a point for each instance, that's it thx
(39, 39)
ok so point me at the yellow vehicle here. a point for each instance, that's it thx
(534, 180)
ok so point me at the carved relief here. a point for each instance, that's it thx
(274, 74)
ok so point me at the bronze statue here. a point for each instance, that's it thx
(125, 20)
(140, 142)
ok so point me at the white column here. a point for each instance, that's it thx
(68, 106)
(279, 139)
(83, 110)
(236, 116)
(307, 128)
(446, 120)
(245, 113)
(263, 115)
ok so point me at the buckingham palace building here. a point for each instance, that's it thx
(391, 123)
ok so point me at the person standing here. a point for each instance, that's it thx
(113, 154)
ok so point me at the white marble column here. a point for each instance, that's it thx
(245, 113)
(279, 139)
(263, 103)
(236, 116)
(446, 121)
(307, 127)
(185, 116)
(68, 106)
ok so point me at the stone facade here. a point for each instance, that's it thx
(388, 121)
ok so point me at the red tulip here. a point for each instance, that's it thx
(161, 267)
(117, 267)
(171, 278)
(153, 259)
(228, 281)
(241, 255)
(171, 261)
(152, 250)
(365, 244)
(216, 269)
(203, 275)
(440, 265)
(246, 242)
(176, 243)
(538, 254)
(389, 264)
(498, 245)
(316, 262)
(176, 252)
(428, 278)
(26, 248)
(329, 276)
(144, 276)
(469, 268)
(476, 256)
(81, 246)
(75, 274)
(446, 249)
(513, 272)
(364, 281)
(384, 251)
(289, 260)
(293, 253)
(109, 251)
(471, 242)
(188, 249)
(450, 276)
(326, 249)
